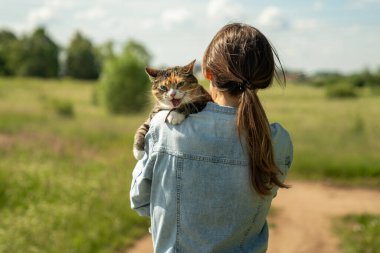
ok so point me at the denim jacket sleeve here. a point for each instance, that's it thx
(142, 174)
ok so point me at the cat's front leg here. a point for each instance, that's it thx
(175, 117)
(138, 154)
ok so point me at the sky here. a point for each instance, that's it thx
(310, 36)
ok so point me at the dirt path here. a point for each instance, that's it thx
(303, 217)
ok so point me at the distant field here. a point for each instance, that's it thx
(334, 139)
(65, 173)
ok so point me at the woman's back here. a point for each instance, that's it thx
(200, 193)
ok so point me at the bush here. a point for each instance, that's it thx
(124, 83)
(63, 108)
(341, 90)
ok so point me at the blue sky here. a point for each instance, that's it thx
(341, 35)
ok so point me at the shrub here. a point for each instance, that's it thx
(63, 108)
(124, 83)
(341, 90)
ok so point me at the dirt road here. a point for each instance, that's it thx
(303, 217)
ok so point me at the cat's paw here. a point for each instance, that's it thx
(138, 154)
(175, 118)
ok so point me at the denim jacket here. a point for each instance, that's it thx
(194, 184)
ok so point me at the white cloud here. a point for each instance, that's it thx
(306, 24)
(224, 9)
(272, 18)
(42, 14)
(173, 17)
(362, 3)
(47, 11)
(318, 5)
(91, 14)
(147, 24)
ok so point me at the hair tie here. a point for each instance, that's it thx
(243, 86)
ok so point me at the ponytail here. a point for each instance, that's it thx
(253, 125)
(241, 60)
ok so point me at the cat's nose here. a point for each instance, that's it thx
(172, 93)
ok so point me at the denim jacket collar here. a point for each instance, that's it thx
(220, 109)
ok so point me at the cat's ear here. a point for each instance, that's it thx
(152, 73)
(188, 69)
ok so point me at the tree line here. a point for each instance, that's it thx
(38, 55)
(123, 84)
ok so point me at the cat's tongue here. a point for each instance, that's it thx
(176, 102)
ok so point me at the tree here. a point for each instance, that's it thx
(81, 61)
(38, 55)
(8, 42)
(137, 49)
(124, 83)
(103, 53)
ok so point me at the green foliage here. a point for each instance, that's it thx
(365, 78)
(138, 50)
(124, 83)
(359, 233)
(81, 59)
(8, 43)
(341, 90)
(103, 53)
(326, 78)
(38, 55)
(63, 108)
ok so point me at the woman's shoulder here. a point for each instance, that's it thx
(202, 133)
(159, 118)
(279, 132)
(282, 143)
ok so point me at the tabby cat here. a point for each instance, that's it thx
(177, 90)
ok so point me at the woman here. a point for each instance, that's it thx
(208, 183)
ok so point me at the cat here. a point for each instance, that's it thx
(175, 89)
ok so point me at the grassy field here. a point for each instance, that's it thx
(65, 167)
(334, 139)
(64, 180)
(359, 233)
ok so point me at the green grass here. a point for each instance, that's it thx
(334, 139)
(65, 176)
(64, 181)
(359, 233)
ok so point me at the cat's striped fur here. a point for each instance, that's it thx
(177, 90)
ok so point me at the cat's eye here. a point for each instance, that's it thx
(180, 84)
(163, 88)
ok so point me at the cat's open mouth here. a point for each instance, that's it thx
(176, 102)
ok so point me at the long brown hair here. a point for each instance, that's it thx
(241, 61)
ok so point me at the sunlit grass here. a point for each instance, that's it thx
(64, 181)
(359, 233)
(333, 138)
